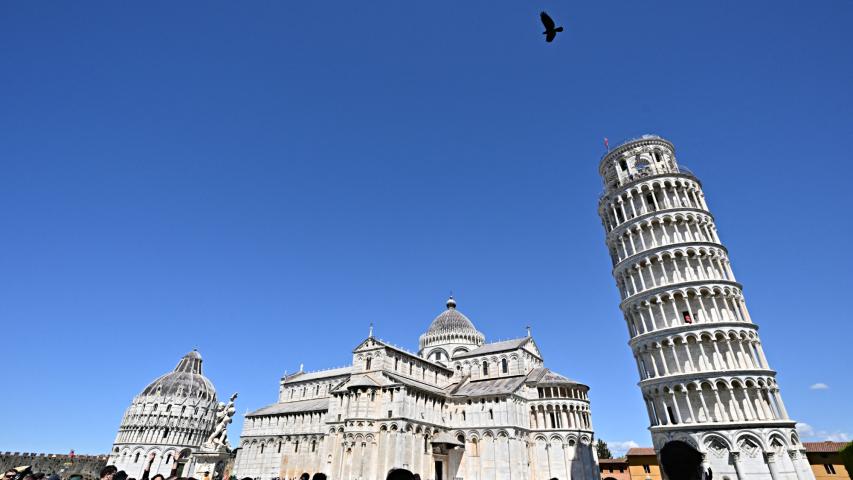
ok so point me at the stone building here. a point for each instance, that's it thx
(460, 408)
(172, 417)
(711, 396)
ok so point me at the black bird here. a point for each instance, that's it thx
(550, 32)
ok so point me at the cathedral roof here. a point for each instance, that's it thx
(451, 321)
(307, 376)
(427, 387)
(186, 380)
(313, 405)
(545, 376)
(495, 347)
(494, 386)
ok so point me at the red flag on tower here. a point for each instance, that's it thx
(606, 144)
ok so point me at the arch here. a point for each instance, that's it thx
(680, 461)
(319, 476)
(749, 441)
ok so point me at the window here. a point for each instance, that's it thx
(504, 366)
(463, 415)
(367, 363)
(339, 417)
(491, 414)
(314, 446)
(829, 468)
(657, 156)
(623, 165)
(671, 416)
(166, 433)
(390, 413)
(651, 201)
(485, 368)
(296, 446)
(396, 363)
(136, 457)
(262, 448)
(155, 408)
(687, 317)
(647, 469)
(279, 447)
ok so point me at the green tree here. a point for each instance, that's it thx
(602, 449)
(847, 457)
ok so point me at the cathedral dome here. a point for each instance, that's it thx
(186, 380)
(449, 333)
(451, 320)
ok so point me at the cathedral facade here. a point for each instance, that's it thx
(460, 408)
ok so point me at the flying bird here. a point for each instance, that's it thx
(550, 32)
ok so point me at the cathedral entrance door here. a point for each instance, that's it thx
(439, 469)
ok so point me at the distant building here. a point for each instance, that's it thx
(642, 464)
(614, 468)
(826, 460)
(459, 408)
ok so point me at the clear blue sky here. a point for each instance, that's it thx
(262, 180)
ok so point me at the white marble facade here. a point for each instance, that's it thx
(706, 382)
(461, 408)
(171, 418)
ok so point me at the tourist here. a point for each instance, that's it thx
(120, 475)
(10, 474)
(108, 472)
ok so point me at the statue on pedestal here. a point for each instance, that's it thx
(218, 439)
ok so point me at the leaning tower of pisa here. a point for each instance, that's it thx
(713, 402)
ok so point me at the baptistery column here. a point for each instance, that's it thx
(703, 375)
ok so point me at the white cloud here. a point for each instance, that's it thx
(819, 386)
(808, 433)
(804, 429)
(619, 449)
(837, 437)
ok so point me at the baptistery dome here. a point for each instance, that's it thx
(449, 334)
(186, 380)
(171, 418)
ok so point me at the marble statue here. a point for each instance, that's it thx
(224, 414)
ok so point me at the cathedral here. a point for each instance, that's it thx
(460, 408)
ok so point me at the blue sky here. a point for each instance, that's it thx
(262, 180)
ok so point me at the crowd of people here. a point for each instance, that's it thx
(27, 474)
(110, 472)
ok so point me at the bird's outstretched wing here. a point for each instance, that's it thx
(547, 21)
